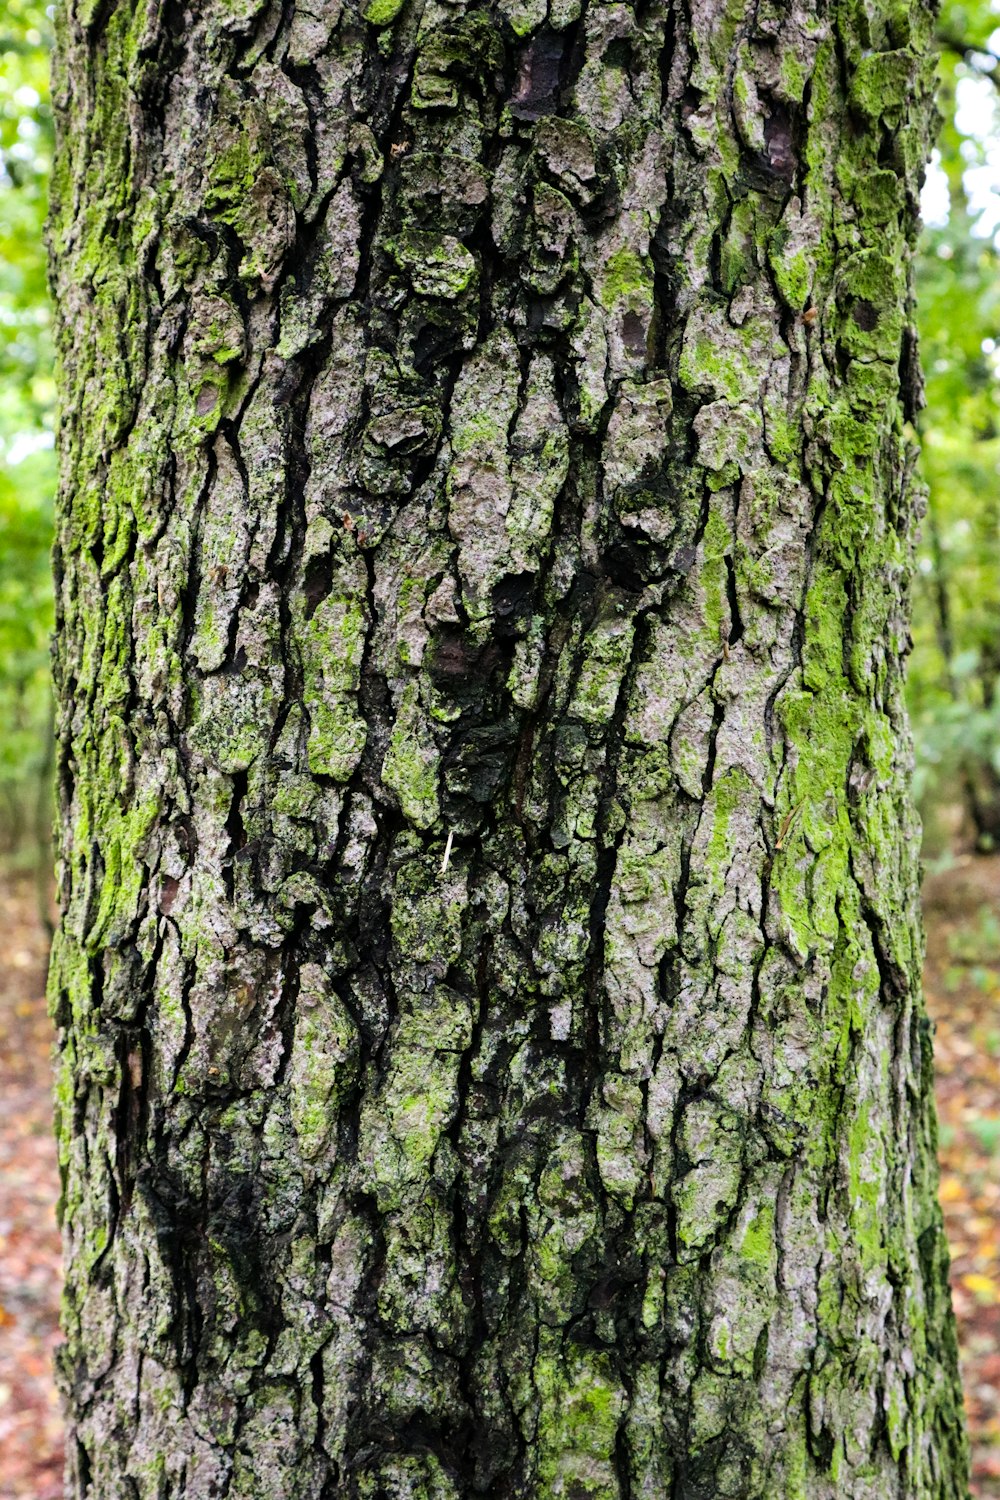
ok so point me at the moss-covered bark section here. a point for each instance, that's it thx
(492, 1053)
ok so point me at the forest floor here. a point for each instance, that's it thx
(962, 984)
(30, 1273)
(962, 907)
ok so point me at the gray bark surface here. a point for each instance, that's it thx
(492, 1056)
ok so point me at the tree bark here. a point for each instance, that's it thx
(492, 1054)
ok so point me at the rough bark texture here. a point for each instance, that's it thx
(492, 1054)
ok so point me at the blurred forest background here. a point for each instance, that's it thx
(27, 414)
(954, 689)
(955, 667)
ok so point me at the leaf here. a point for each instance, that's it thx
(984, 1288)
(952, 1190)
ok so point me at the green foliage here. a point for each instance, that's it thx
(955, 670)
(27, 396)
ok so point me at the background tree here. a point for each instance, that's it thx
(492, 1052)
(27, 465)
(953, 676)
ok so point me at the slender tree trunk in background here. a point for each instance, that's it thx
(986, 803)
(493, 1060)
(980, 783)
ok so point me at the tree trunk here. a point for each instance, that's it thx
(492, 1058)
